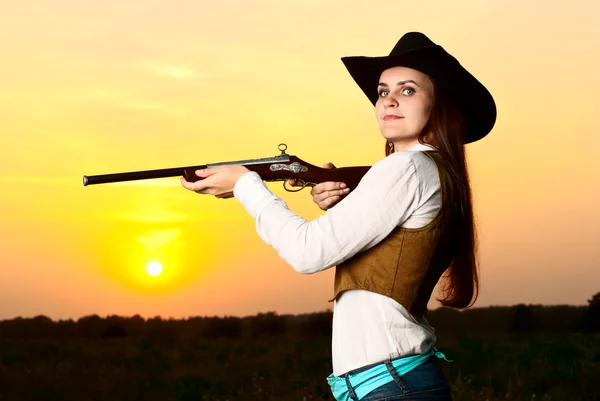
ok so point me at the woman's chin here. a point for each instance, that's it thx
(392, 137)
(389, 136)
(396, 137)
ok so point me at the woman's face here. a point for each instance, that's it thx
(404, 105)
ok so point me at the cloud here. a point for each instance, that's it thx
(53, 181)
(140, 105)
(183, 72)
(153, 215)
(157, 238)
(172, 71)
(128, 102)
(38, 180)
(45, 180)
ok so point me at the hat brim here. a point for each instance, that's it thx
(473, 99)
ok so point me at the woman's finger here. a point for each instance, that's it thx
(331, 194)
(339, 192)
(327, 203)
(199, 187)
(327, 186)
(189, 185)
(331, 200)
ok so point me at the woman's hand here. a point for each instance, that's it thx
(218, 181)
(326, 194)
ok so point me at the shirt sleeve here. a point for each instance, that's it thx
(385, 197)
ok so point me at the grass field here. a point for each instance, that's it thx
(285, 367)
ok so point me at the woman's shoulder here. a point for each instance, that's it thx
(404, 168)
(394, 165)
(423, 160)
(420, 163)
(407, 159)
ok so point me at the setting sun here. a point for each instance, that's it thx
(154, 268)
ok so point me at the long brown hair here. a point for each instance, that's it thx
(445, 131)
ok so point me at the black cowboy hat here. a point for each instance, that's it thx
(415, 50)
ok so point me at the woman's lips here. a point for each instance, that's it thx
(390, 117)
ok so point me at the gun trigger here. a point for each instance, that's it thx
(297, 190)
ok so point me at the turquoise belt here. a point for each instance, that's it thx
(368, 380)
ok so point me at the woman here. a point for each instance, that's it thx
(391, 239)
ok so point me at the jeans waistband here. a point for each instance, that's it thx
(359, 382)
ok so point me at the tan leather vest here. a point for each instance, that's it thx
(408, 263)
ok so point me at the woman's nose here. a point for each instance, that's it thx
(390, 101)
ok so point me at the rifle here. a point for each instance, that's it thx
(282, 167)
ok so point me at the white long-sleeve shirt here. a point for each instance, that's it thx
(403, 189)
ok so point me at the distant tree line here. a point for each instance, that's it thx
(517, 319)
(157, 328)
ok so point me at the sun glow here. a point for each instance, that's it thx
(154, 268)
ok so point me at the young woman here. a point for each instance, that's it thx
(408, 222)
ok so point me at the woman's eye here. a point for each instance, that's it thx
(383, 92)
(408, 91)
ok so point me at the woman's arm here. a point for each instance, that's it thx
(387, 195)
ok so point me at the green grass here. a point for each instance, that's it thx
(563, 366)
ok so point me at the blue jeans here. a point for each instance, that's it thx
(426, 382)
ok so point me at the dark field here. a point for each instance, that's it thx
(273, 358)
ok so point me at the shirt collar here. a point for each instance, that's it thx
(421, 146)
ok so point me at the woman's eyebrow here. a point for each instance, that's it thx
(399, 83)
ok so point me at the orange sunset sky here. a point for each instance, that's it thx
(94, 87)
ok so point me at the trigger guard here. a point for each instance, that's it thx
(297, 190)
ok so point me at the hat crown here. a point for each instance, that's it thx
(411, 41)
